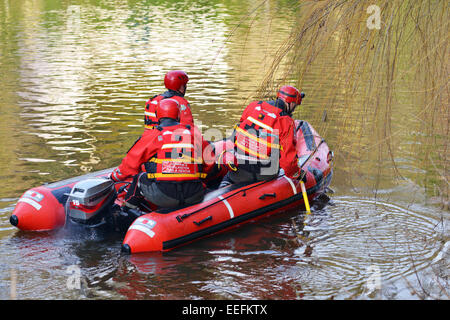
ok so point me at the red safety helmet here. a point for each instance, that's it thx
(168, 108)
(290, 94)
(175, 79)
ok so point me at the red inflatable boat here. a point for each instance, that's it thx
(47, 207)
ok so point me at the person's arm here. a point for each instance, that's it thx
(203, 151)
(139, 153)
(208, 164)
(288, 152)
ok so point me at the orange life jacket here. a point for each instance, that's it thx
(179, 158)
(255, 138)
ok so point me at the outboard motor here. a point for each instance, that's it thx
(90, 201)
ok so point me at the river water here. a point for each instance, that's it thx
(74, 79)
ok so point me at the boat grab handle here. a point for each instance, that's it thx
(204, 220)
(265, 195)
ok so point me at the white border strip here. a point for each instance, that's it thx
(143, 229)
(227, 204)
(31, 202)
(294, 189)
(177, 145)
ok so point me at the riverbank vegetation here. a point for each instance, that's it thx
(380, 69)
(389, 67)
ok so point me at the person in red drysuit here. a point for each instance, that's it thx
(176, 83)
(166, 162)
(265, 139)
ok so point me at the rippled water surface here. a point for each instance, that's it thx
(74, 80)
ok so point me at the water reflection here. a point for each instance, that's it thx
(327, 255)
(84, 72)
(78, 86)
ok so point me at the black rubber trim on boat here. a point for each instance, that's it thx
(198, 223)
(14, 220)
(126, 249)
(265, 195)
